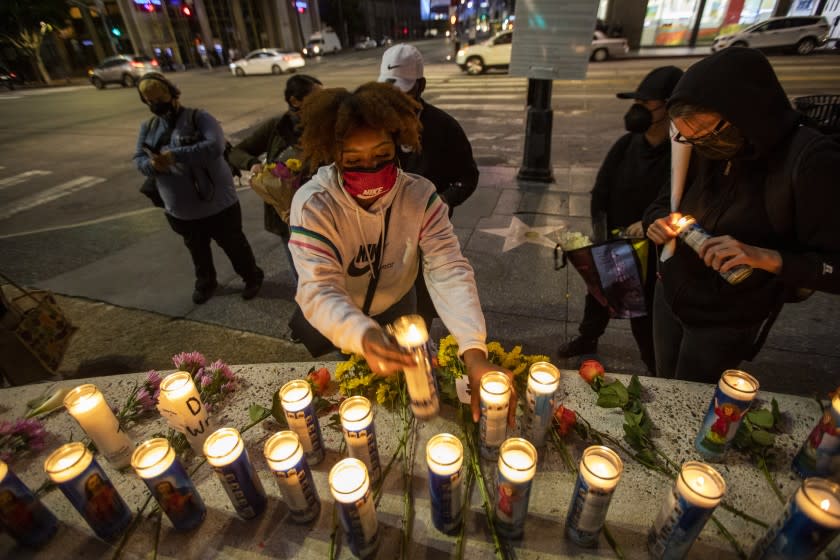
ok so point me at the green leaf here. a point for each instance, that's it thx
(613, 395)
(257, 412)
(634, 418)
(608, 400)
(777, 414)
(762, 418)
(634, 389)
(277, 408)
(763, 438)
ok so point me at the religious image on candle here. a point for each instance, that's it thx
(299, 407)
(599, 473)
(731, 400)
(445, 457)
(22, 515)
(180, 404)
(226, 453)
(350, 486)
(411, 334)
(286, 459)
(87, 405)
(820, 454)
(356, 415)
(495, 399)
(515, 472)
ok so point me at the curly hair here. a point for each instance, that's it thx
(330, 115)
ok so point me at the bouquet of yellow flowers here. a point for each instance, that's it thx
(277, 183)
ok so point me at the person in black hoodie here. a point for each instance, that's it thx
(764, 186)
(629, 179)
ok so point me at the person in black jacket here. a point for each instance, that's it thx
(445, 157)
(630, 178)
(764, 187)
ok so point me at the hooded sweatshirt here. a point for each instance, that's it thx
(736, 197)
(336, 246)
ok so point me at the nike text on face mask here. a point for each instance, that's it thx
(366, 184)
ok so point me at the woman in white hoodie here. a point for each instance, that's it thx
(361, 225)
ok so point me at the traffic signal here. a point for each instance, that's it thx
(115, 31)
(186, 11)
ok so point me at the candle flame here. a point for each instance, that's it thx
(824, 505)
(701, 481)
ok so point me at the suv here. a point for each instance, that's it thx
(800, 33)
(122, 69)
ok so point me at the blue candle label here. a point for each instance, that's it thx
(493, 424)
(93, 496)
(587, 512)
(676, 527)
(361, 445)
(538, 415)
(243, 486)
(23, 515)
(299, 492)
(360, 525)
(446, 500)
(794, 536)
(820, 454)
(305, 424)
(177, 496)
(511, 505)
(720, 424)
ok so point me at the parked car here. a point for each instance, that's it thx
(495, 52)
(124, 69)
(386, 41)
(267, 61)
(9, 79)
(322, 42)
(800, 33)
(366, 43)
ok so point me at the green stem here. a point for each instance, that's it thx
(723, 531)
(465, 507)
(768, 476)
(742, 515)
(408, 473)
(158, 523)
(613, 543)
(334, 534)
(131, 528)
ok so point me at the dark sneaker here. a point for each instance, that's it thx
(252, 288)
(201, 295)
(577, 347)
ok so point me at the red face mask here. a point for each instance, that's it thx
(369, 184)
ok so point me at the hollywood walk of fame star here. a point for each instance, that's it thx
(519, 233)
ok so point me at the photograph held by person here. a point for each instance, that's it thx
(277, 138)
(629, 180)
(361, 226)
(445, 156)
(183, 149)
(765, 187)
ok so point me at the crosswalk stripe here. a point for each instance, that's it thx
(487, 97)
(21, 177)
(54, 193)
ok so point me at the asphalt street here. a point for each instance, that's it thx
(72, 221)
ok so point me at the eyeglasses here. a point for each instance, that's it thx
(705, 139)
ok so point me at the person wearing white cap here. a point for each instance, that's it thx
(445, 157)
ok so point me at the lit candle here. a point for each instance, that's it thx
(810, 522)
(599, 473)
(411, 333)
(87, 405)
(495, 399)
(22, 514)
(180, 404)
(356, 415)
(543, 381)
(296, 400)
(821, 450)
(733, 395)
(80, 478)
(285, 458)
(155, 463)
(690, 503)
(350, 486)
(445, 457)
(516, 470)
(226, 453)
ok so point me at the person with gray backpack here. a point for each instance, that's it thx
(181, 152)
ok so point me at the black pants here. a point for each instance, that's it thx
(225, 228)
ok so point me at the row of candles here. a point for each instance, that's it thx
(812, 517)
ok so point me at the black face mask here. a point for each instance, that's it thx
(725, 145)
(638, 119)
(162, 109)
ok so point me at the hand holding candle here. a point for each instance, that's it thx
(410, 333)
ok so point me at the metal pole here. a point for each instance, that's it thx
(695, 31)
(536, 161)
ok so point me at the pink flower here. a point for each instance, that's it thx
(219, 368)
(229, 387)
(189, 361)
(146, 401)
(153, 380)
(206, 379)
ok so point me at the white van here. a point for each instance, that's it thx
(322, 42)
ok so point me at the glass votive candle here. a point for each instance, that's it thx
(445, 458)
(543, 381)
(284, 455)
(820, 454)
(495, 400)
(297, 402)
(810, 522)
(226, 453)
(411, 333)
(733, 395)
(83, 482)
(155, 463)
(350, 486)
(599, 473)
(692, 500)
(179, 402)
(87, 405)
(356, 414)
(515, 473)
(22, 514)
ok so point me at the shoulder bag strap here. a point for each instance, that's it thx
(374, 280)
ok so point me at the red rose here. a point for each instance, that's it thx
(320, 378)
(590, 369)
(565, 419)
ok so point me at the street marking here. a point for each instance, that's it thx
(489, 97)
(21, 177)
(50, 195)
(3, 97)
(56, 89)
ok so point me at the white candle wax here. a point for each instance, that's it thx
(223, 447)
(517, 460)
(67, 462)
(495, 399)
(819, 499)
(180, 403)
(601, 467)
(283, 451)
(700, 485)
(152, 457)
(444, 454)
(356, 413)
(87, 405)
(738, 384)
(543, 378)
(349, 481)
(295, 395)
(411, 333)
